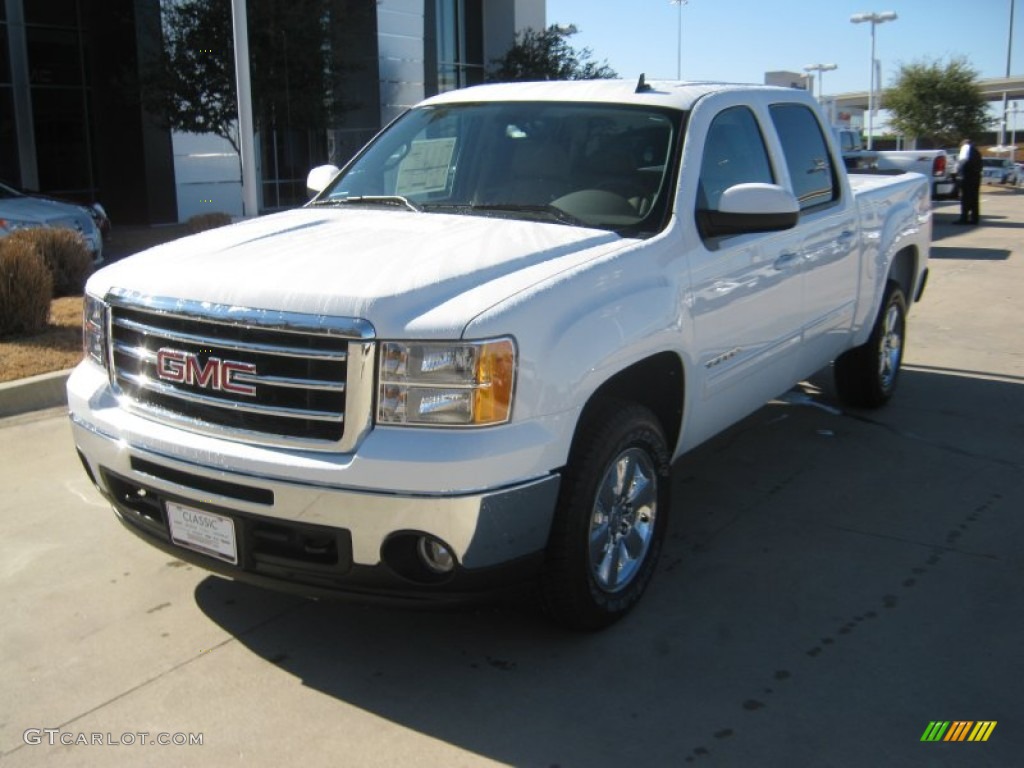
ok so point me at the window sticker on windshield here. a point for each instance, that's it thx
(425, 168)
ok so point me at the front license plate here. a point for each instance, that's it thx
(203, 531)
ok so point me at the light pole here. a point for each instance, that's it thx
(820, 68)
(875, 19)
(1009, 58)
(246, 131)
(679, 39)
(1013, 133)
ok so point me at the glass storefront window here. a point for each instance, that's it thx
(53, 56)
(5, 56)
(286, 158)
(62, 144)
(9, 169)
(459, 47)
(51, 12)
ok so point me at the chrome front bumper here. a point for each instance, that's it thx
(490, 533)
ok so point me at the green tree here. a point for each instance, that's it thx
(938, 102)
(192, 85)
(547, 55)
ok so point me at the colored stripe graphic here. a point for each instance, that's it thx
(958, 730)
(935, 731)
(982, 730)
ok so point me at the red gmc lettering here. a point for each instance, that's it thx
(170, 365)
(228, 383)
(205, 375)
(222, 375)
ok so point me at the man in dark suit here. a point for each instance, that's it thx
(969, 171)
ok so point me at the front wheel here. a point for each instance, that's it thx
(866, 376)
(611, 519)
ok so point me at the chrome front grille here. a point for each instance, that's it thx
(258, 376)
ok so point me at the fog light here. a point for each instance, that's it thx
(435, 555)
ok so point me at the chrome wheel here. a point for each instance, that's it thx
(867, 376)
(613, 507)
(890, 347)
(622, 521)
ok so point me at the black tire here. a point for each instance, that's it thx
(866, 376)
(602, 556)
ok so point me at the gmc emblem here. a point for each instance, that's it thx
(221, 375)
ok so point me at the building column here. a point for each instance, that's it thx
(24, 127)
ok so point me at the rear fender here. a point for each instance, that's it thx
(898, 255)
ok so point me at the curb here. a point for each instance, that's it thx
(47, 390)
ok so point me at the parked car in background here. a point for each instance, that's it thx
(953, 166)
(21, 211)
(998, 170)
(99, 217)
(935, 164)
(931, 163)
(95, 210)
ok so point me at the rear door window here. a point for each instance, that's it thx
(811, 170)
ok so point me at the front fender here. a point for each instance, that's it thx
(575, 333)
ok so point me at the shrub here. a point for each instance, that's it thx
(26, 287)
(204, 221)
(65, 254)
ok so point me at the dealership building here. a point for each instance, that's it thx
(73, 72)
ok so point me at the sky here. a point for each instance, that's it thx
(740, 40)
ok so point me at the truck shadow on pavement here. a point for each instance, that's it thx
(970, 254)
(945, 224)
(997, 222)
(802, 586)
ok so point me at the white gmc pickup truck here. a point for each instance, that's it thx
(469, 363)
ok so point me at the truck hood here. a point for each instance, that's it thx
(409, 274)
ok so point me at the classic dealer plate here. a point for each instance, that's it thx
(203, 531)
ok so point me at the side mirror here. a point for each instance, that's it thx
(751, 207)
(319, 178)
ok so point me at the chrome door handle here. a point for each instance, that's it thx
(786, 260)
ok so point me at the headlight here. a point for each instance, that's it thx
(446, 384)
(94, 330)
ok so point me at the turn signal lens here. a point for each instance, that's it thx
(439, 384)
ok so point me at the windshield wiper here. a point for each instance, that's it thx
(547, 210)
(397, 200)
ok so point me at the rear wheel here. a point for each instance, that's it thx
(611, 520)
(866, 376)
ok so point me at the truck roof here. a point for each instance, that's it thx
(662, 93)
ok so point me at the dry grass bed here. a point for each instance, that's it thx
(59, 346)
(55, 349)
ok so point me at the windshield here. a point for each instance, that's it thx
(594, 165)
